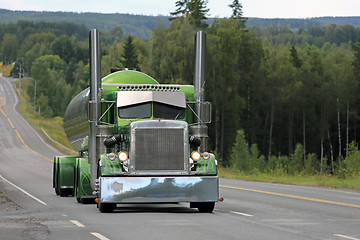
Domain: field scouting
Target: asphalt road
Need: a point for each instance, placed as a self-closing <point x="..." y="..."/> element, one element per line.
<point x="250" y="211"/>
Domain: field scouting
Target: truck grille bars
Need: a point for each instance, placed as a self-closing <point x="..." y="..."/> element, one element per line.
<point x="159" y="146"/>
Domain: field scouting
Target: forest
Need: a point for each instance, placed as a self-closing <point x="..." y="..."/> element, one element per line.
<point x="141" y="26"/>
<point x="281" y="99"/>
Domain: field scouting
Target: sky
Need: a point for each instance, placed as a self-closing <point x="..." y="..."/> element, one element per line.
<point x="218" y="8"/>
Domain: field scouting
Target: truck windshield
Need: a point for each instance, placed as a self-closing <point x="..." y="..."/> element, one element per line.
<point x="142" y="110"/>
<point x="159" y="110"/>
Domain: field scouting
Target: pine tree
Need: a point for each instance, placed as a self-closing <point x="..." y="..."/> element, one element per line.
<point x="181" y="11"/>
<point x="356" y="61"/>
<point x="195" y="10"/>
<point x="130" y="57"/>
<point x="296" y="61"/>
<point x="238" y="12"/>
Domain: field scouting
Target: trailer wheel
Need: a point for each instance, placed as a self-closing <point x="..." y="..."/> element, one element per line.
<point x="56" y="184"/>
<point x="107" y="207"/>
<point x="206" y="207"/>
<point x="88" y="200"/>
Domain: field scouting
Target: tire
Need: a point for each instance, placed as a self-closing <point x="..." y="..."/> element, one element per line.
<point x="76" y="188"/>
<point x="206" y="207"/>
<point x="88" y="200"/>
<point x="65" y="192"/>
<point x="107" y="207"/>
<point x="57" y="189"/>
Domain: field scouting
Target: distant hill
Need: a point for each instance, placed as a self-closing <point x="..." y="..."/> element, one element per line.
<point x="138" y="25"/>
<point x="141" y="25"/>
<point x="294" y="23"/>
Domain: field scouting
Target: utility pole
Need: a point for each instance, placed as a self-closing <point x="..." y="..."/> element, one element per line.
<point x="35" y="98"/>
<point x="20" y="82"/>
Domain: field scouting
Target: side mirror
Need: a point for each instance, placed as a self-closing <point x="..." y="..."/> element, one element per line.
<point x="205" y="112"/>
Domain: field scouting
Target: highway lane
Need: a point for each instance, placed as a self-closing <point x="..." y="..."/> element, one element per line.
<point x="250" y="210"/>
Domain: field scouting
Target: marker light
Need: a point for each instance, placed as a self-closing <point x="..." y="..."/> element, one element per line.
<point x="112" y="156"/>
<point x="206" y="155"/>
<point x="123" y="156"/>
<point x="195" y="155"/>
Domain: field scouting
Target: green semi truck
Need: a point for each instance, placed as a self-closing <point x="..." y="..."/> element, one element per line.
<point x="139" y="141"/>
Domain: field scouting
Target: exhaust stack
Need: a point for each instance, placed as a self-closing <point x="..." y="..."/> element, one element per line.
<point x="200" y="129"/>
<point x="95" y="84"/>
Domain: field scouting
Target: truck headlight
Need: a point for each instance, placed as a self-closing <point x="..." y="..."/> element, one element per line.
<point x="123" y="156"/>
<point x="195" y="155"/>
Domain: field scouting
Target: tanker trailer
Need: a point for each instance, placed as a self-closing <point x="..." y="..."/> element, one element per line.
<point x="139" y="141"/>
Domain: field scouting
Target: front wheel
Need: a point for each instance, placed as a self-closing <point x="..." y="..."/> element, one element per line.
<point x="206" y="207"/>
<point x="107" y="207"/>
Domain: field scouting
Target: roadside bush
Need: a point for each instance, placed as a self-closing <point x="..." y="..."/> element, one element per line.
<point x="277" y="165"/>
<point x="246" y="160"/>
<point x="240" y="157"/>
<point x="352" y="160"/>
<point x="311" y="164"/>
<point x="257" y="159"/>
<point x="296" y="160"/>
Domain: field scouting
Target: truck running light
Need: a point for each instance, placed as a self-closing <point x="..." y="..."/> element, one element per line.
<point x="112" y="156"/>
<point x="123" y="156"/>
<point x="206" y="155"/>
<point x="195" y="155"/>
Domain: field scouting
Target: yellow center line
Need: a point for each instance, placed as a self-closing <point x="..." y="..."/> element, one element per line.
<point x="294" y="196"/>
<point x="21" y="139"/>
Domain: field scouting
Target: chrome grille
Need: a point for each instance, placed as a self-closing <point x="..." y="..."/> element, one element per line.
<point x="159" y="149"/>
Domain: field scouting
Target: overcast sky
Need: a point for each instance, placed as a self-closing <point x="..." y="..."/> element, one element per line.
<point x="218" y="8"/>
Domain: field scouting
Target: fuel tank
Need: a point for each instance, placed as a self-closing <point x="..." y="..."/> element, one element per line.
<point x="76" y="122"/>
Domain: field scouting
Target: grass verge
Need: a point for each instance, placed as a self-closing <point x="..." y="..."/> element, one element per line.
<point x="6" y="69"/>
<point x="330" y="181"/>
<point x="52" y="126"/>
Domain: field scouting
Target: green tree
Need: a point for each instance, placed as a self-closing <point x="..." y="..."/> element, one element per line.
<point x="352" y="161"/>
<point x="34" y="46"/>
<point x="194" y="10"/>
<point x="237" y="12"/>
<point x="181" y="10"/>
<point x="48" y="71"/>
<point x="113" y="59"/>
<point x="116" y="34"/>
<point x="172" y="53"/>
<point x="9" y="47"/>
<point x="240" y="155"/>
<point x="224" y="41"/>
<point x="356" y="61"/>
<point x="81" y="78"/>
<point x="130" y="56"/>
<point x="63" y="47"/>
<point x="296" y="163"/>
<point x="295" y="60"/>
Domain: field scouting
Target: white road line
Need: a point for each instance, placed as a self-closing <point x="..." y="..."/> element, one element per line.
<point x="99" y="236"/>
<point x="346" y="237"/>
<point x="243" y="214"/>
<point x="77" y="223"/>
<point x="22" y="190"/>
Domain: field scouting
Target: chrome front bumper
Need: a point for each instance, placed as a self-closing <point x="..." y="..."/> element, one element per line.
<point x="159" y="189"/>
